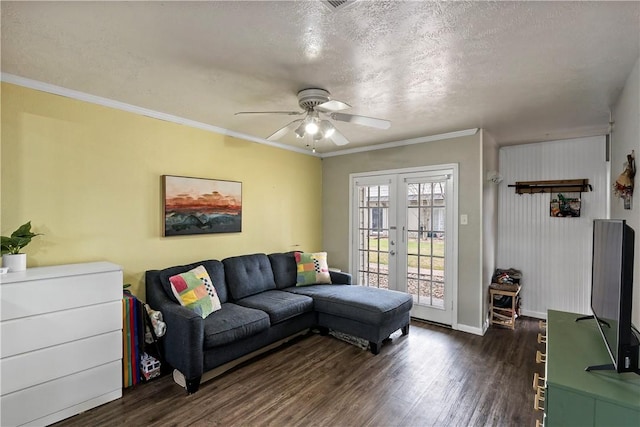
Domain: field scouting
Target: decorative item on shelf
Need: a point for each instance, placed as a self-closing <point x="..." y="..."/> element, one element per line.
<point x="564" y="207"/>
<point x="623" y="186"/>
<point x="12" y="258"/>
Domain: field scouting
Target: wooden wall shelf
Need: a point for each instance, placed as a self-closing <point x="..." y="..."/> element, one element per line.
<point x="553" y="186"/>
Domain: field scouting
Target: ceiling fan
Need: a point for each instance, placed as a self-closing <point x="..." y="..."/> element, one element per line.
<point x="318" y="108"/>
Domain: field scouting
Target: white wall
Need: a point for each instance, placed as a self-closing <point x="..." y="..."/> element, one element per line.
<point x="554" y="254"/>
<point x="489" y="219"/>
<point x="626" y="137"/>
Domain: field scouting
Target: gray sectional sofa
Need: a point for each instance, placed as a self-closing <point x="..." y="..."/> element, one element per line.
<point x="261" y="305"/>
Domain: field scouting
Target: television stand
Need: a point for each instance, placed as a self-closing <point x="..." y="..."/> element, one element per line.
<point x="574" y="397"/>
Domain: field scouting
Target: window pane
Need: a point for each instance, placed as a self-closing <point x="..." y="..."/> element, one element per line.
<point x="425" y="242"/>
<point x="373" y="244"/>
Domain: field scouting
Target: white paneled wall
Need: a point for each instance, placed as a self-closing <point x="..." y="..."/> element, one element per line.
<point x="554" y="254"/>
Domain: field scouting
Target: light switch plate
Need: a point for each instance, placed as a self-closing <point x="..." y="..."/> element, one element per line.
<point x="464" y="219"/>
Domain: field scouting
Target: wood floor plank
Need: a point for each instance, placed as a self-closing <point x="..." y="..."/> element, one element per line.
<point x="433" y="377"/>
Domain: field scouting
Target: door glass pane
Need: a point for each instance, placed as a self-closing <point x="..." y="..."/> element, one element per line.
<point x="425" y="242"/>
<point x="373" y="235"/>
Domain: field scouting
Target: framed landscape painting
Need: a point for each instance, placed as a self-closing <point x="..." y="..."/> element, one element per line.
<point x="201" y="206"/>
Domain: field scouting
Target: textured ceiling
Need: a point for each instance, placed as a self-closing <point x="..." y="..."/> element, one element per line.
<point x="524" y="71"/>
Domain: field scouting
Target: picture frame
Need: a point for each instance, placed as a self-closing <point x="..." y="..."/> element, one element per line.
<point x="564" y="207"/>
<point x="200" y="206"/>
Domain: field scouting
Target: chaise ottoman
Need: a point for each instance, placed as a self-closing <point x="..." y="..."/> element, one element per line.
<point x="365" y="312"/>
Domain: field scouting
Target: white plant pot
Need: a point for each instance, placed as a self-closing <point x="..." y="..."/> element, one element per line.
<point x="15" y="262"/>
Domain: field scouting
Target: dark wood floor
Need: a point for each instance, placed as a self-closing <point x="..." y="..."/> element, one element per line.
<point x="432" y="377"/>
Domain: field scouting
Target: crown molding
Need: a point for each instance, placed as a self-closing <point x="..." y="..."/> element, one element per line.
<point x="106" y="102"/>
<point x="404" y="142"/>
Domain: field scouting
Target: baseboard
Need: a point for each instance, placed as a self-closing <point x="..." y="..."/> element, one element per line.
<point x="470" y="329"/>
<point x="180" y="379"/>
<point x="536" y="314"/>
<point x="429" y="322"/>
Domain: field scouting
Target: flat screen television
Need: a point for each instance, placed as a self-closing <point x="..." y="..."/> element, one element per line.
<point x="612" y="293"/>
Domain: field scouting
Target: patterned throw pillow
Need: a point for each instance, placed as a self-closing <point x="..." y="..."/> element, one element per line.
<point x="194" y="290"/>
<point x="312" y="268"/>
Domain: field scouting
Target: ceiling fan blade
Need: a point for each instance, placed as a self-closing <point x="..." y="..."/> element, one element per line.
<point x="283" y="130"/>
<point x="337" y="137"/>
<point x="361" y="120"/>
<point x="333" y="105"/>
<point x="288" y="113"/>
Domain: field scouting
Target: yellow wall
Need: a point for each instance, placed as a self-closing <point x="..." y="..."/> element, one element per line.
<point x="89" y="178"/>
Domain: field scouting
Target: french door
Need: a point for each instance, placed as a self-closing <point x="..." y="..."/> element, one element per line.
<point x="404" y="234"/>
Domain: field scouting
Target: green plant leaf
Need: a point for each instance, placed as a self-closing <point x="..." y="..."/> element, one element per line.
<point x="6" y="245"/>
<point x="24" y="231"/>
<point x="18" y="240"/>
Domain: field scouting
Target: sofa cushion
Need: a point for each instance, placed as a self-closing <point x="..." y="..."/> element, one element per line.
<point x="312" y="268"/>
<point x="278" y="305"/>
<point x="368" y="305"/>
<point x="194" y="290"/>
<point x="248" y="275"/>
<point x="214" y="268"/>
<point x="232" y="323"/>
<point x="284" y="268"/>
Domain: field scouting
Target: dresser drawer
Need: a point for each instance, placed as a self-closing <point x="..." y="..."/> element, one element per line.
<point x="60" y="341"/>
<point x="53" y="398"/>
<point x="34" y="333"/>
<point x="30" y="298"/>
<point x="36" y="367"/>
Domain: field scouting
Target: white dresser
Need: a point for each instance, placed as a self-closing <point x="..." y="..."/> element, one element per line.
<point x="61" y="336"/>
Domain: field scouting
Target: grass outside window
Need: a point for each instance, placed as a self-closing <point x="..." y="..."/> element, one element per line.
<point x="379" y="252"/>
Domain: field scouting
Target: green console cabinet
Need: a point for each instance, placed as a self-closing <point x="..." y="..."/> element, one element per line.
<point x="575" y="397"/>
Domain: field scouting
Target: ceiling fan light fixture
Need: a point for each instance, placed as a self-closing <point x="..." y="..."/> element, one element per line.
<point x="327" y="129"/>
<point x="312" y="126"/>
<point x="300" y="130"/>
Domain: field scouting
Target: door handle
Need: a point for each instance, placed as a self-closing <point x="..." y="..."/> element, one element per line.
<point x="392" y="252"/>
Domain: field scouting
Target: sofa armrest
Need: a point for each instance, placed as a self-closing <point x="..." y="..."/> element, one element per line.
<point x="183" y="341"/>
<point x="340" y="277"/>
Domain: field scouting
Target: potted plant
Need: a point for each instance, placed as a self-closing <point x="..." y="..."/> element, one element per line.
<point x="11" y="246"/>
